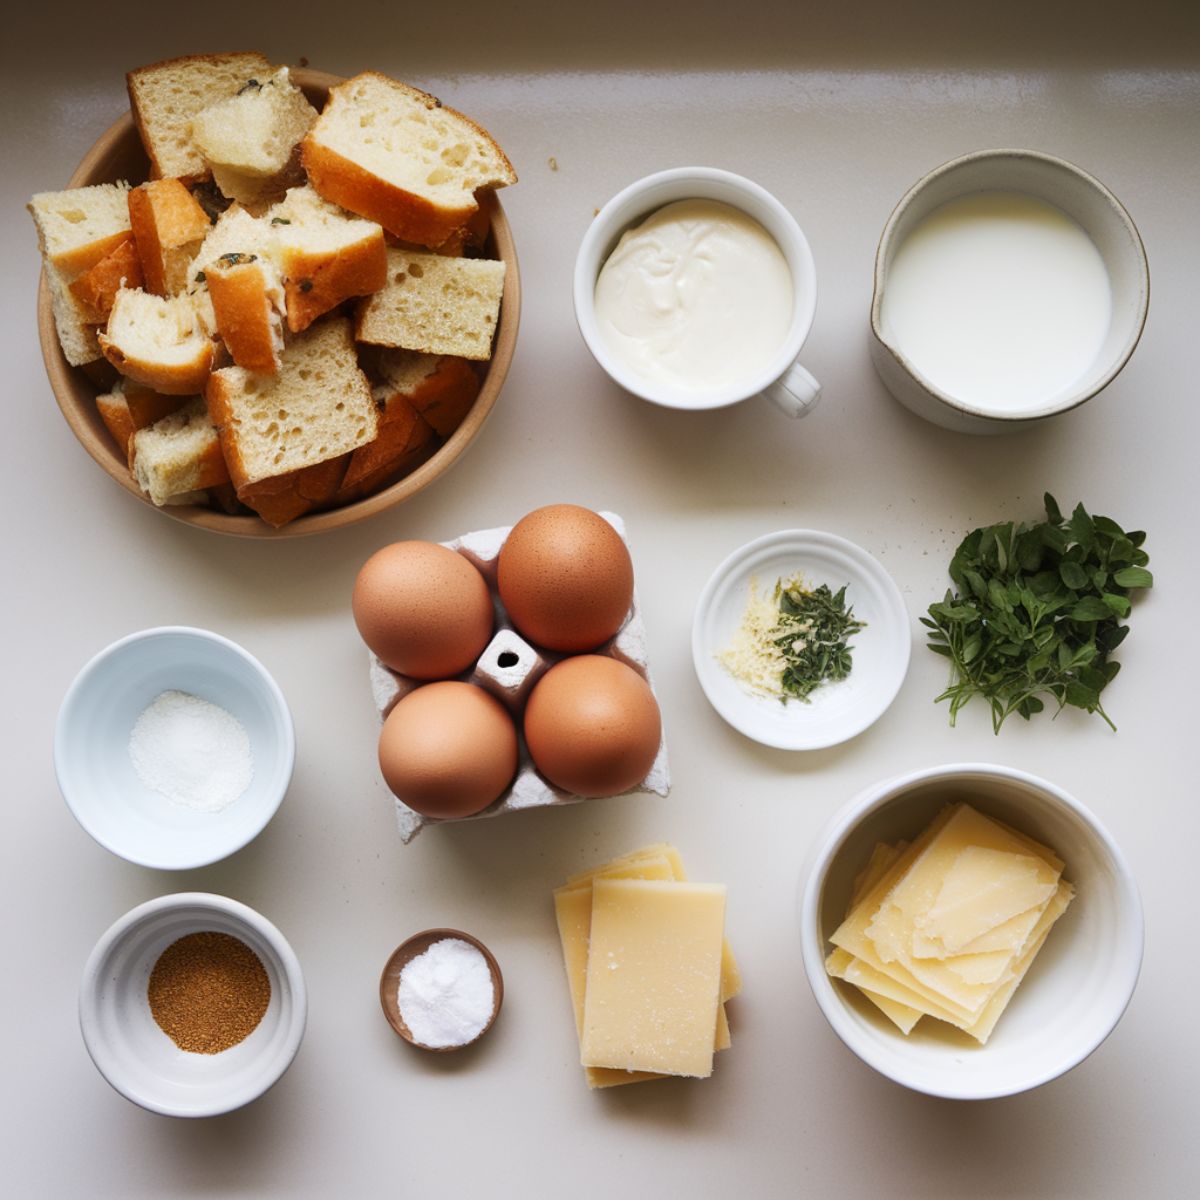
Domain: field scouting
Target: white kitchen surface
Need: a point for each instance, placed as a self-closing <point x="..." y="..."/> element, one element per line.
<point x="837" y="114"/>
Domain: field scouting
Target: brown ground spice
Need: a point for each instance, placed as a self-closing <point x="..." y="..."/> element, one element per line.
<point x="208" y="991"/>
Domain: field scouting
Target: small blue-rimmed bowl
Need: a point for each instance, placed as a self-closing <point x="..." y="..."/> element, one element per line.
<point x="91" y="746"/>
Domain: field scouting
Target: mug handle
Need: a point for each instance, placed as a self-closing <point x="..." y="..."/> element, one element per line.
<point x="796" y="393"/>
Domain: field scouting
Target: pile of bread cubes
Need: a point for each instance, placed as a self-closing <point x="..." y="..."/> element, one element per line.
<point x="297" y="303"/>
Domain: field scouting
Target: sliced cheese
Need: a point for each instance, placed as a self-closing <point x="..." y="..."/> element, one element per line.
<point x="731" y="976"/>
<point x="903" y="1016"/>
<point x="573" y="910"/>
<point x="882" y="857"/>
<point x="952" y="926"/>
<point x="654" y="976"/>
<point x="983" y="889"/>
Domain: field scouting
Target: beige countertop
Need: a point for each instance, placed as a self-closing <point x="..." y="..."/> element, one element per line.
<point x="837" y="115"/>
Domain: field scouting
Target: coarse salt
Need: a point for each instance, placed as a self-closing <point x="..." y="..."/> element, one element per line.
<point x="191" y="752"/>
<point x="446" y="994"/>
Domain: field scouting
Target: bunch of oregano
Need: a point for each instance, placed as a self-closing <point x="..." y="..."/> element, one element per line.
<point x="1037" y="612"/>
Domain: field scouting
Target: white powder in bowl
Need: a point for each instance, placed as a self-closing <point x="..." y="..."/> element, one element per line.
<point x="191" y="752"/>
<point x="446" y="995"/>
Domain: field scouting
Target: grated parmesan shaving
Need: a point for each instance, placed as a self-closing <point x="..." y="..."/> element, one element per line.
<point x="752" y="657"/>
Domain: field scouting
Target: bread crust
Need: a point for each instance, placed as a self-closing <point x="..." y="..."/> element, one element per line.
<point x="282" y="498"/>
<point x="168" y="227"/>
<point x="131" y="81"/>
<point x="402" y="433"/>
<point x="402" y="213"/>
<point x="97" y="288"/>
<point x="125" y="412"/>
<point x="172" y="379"/>
<point x="246" y="319"/>
<point x="446" y="396"/>
<point x="314" y="284"/>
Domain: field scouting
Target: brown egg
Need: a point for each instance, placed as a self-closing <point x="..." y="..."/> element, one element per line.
<point x="566" y="578"/>
<point x="424" y="610"/>
<point x="448" y="749"/>
<point x="593" y="726"/>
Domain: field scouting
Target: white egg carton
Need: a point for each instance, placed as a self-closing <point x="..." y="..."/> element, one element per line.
<point x="508" y="668"/>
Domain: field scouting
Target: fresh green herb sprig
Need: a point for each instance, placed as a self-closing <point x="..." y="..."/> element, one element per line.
<point x="1037" y="612"/>
<point x="814" y="645"/>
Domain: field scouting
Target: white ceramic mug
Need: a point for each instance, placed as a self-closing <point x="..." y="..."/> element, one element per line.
<point x="783" y="380"/>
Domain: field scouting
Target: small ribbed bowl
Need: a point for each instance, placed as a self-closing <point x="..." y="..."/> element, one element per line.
<point x="91" y="746"/>
<point x="117" y="155"/>
<point x="1077" y="988"/>
<point x="137" y="1058"/>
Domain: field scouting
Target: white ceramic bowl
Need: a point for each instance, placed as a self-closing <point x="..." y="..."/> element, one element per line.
<point x="789" y="386"/>
<point x="836" y="711"/>
<point x="1078" y="986"/>
<point x="138" y="1058"/>
<point x="1083" y="198"/>
<point x="91" y="746"/>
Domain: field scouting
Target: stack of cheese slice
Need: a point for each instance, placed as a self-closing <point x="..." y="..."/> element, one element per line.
<point x="948" y="926"/>
<point x="648" y="967"/>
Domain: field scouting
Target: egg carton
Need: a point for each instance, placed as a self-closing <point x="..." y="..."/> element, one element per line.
<point x="508" y="668"/>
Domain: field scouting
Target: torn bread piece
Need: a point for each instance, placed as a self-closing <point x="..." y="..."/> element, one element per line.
<point x="317" y="408"/>
<point x="326" y="255"/>
<point x="251" y="140"/>
<point x="404" y="440"/>
<point x="76" y="229"/>
<point x="397" y="155"/>
<point x="434" y="304"/>
<point x="248" y="307"/>
<point x="441" y="387"/>
<point x="169" y="226"/>
<point x="97" y="288"/>
<point x="158" y="341"/>
<point x="236" y="233"/>
<point x="178" y="454"/>
<point x="166" y="96"/>
<point x="130" y="407"/>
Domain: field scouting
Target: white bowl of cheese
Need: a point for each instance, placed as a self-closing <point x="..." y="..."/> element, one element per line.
<point x="1077" y="985"/>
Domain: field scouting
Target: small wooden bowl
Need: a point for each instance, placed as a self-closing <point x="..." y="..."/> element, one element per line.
<point x="118" y="154"/>
<point x="389" y="983"/>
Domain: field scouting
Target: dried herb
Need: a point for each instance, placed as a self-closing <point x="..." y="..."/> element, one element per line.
<point x="306" y="285"/>
<point x="200" y="277"/>
<point x="1037" y="613"/>
<point x="251" y="85"/>
<point x="816" y="627"/>
<point x="234" y="259"/>
<point x="280" y="221"/>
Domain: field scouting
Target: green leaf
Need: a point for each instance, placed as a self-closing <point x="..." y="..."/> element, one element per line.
<point x="1090" y="608"/>
<point x="976" y="583"/>
<point x="1053" y="512"/>
<point x="1082" y="529"/>
<point x="1119" y="605"/>
<point x="1133" y="577"/>
<point x="1072" y="574"/>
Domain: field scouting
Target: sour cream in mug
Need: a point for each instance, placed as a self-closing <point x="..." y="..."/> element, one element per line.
<point x="696" y="298"/>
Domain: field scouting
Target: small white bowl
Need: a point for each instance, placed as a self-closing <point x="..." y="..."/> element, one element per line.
<point x="1076" y="990"/>
<point x="836" y="711"/>
<point x="91" y="746"/>
<point x="137" y="1058"/>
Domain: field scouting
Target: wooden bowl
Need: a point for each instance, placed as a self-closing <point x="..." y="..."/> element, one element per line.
<point x="118" y="154"/>
<point x="389" y="983"/>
